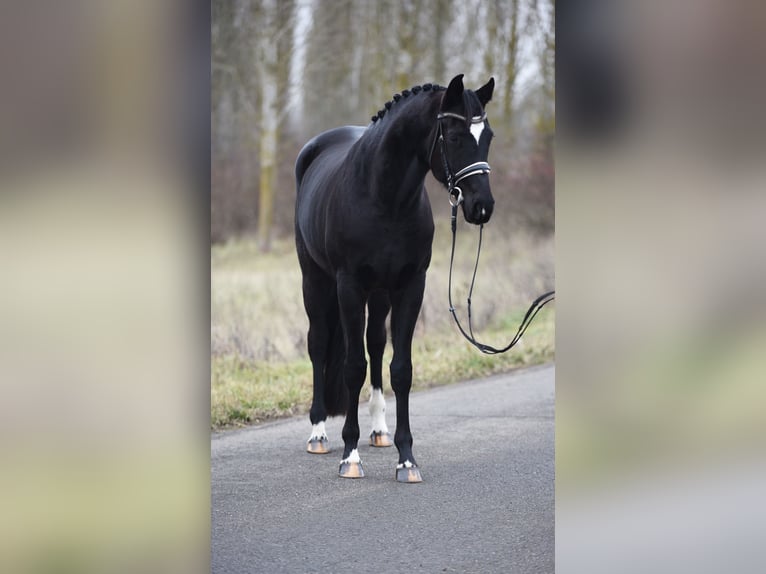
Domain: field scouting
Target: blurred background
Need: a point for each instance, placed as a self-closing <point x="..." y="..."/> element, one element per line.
<point x="104" y="368"/>
<point x="661" y="286"/>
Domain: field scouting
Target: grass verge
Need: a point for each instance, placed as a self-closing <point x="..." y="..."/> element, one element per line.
<point x="248" y="391"/>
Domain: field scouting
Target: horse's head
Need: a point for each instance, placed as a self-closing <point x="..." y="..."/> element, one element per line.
<point x="461" y="147"/>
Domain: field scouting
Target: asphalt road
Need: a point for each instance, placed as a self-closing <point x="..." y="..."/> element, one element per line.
<point x="486" y="451"/>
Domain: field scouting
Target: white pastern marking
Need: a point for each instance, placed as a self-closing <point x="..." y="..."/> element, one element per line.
<point x="353" y="457"/>
<point x="318" y="431"/>
<point x="377" y="410"/>
<point x="405" y="464"/>
<point x="476" y="130"/>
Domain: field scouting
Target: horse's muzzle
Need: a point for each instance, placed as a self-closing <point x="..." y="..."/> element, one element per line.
<point x="478" y="211"/>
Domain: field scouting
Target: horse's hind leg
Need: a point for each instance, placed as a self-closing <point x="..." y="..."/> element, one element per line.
<point x="317" y="302"/>
<point x="378" y="307"/>
<point x="320" y="301"/>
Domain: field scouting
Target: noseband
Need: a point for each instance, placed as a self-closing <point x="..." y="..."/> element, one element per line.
<point x="477" y="168"/>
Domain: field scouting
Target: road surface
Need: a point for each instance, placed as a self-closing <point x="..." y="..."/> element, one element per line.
<point x="486" y="451"/>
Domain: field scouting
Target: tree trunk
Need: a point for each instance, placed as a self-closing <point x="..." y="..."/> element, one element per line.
<point x="443" y="9"/>
<point x="511" y="67"/>
<point x="267" y="80"/>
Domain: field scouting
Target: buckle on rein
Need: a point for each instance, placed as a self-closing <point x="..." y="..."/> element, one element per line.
<point x="455" y="199"/>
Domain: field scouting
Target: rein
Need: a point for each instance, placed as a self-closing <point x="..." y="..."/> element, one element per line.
<point x="534" y="308"/>
<point x="455" y="199"/>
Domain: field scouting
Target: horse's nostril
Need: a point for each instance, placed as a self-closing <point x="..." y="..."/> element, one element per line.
<point x="481" y="212"/>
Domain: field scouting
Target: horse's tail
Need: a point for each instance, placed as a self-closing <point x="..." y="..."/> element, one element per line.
<point x="335" y="391"/>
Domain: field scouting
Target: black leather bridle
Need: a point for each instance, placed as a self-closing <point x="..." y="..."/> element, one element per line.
<point x="476" y="168"/>
<point x="455" y="199"/>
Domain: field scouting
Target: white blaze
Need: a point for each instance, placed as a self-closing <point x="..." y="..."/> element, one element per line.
<point x="476" y="130"/>
<point x="377" y="410"/>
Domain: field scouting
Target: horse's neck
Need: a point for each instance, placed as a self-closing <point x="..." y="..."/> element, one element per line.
<point x="401" y="159"/>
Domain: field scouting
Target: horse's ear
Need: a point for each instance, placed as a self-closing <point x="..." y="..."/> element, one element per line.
<point x="454" y="94"/>
<point x="485" y="92"/>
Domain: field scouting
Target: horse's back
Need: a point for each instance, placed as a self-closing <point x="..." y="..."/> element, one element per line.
<point x="332" y="145"/>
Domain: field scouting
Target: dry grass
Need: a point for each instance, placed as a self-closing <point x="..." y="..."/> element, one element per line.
<point x="260" y="368"/>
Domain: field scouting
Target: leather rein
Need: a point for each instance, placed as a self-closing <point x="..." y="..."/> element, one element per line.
<point x="455" y="199"/>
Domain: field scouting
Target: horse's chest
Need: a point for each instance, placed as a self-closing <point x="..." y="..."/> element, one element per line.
<point x="389" y="256"/>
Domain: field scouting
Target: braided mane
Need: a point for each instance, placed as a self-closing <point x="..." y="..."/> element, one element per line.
<point x="406" y="93"/>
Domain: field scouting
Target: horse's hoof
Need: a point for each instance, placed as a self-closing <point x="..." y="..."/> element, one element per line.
<point x="318" y="446"/>
<point x="380" y="439"/>
<point x="351" y="470"/>
<point x="409" y="474"/>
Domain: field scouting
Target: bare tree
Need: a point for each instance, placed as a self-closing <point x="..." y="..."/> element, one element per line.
<point x="442" y="9"/>
<point x="234" y="107"/>
<point x="340" y="60"/>
<point x="265" y="58"/>
<point x="541" y="28"/>
<point x="272" y="56"/>
<point x="548" y="70"/>
<point x="511" y="60"/>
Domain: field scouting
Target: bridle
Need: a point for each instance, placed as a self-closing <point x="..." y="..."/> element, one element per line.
<point x="455" y="199"/>
<point x="476" y="168"/>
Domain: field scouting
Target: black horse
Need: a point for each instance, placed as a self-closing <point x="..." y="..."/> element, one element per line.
<point x="363" y="231"/>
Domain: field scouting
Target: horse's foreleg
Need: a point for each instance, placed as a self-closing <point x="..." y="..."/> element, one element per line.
<point x="378" y="307"/>
<point x="405" y="309"/>
<point x="352" y="300"/>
